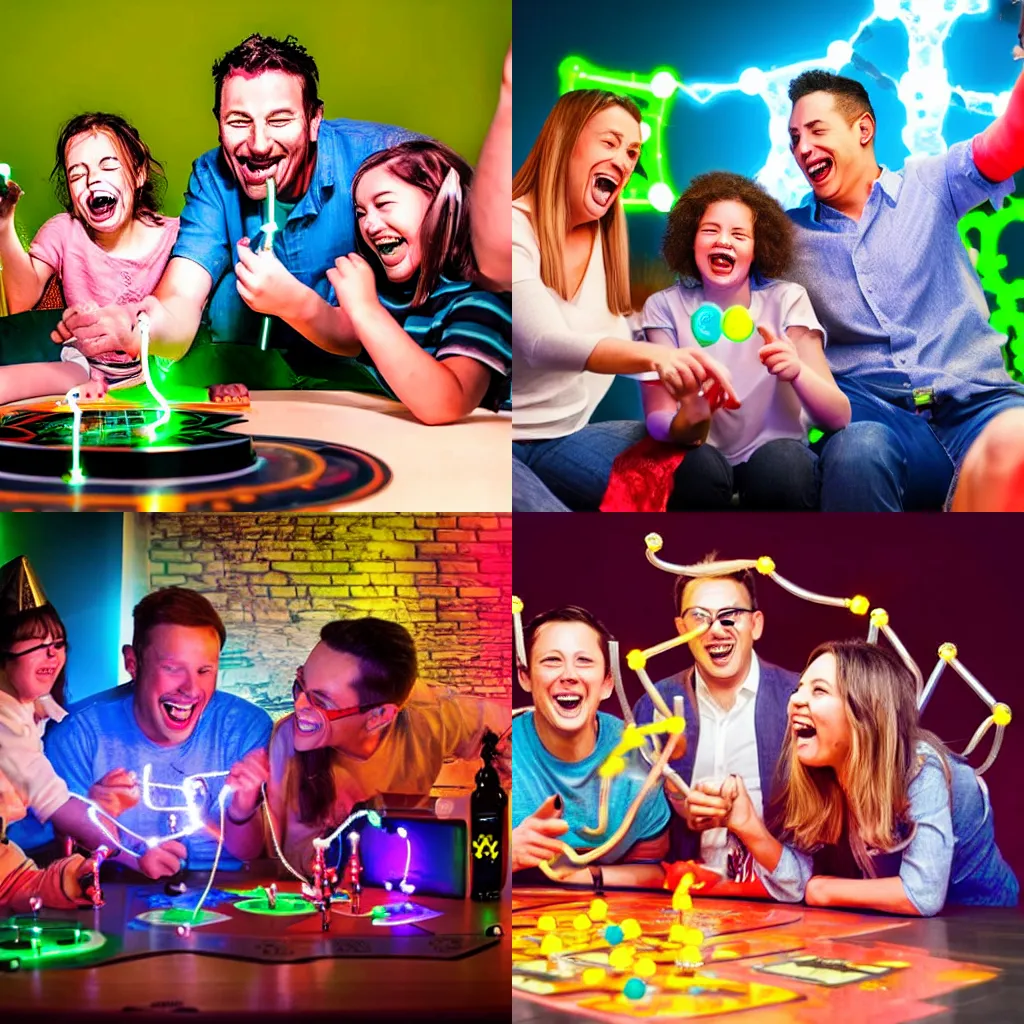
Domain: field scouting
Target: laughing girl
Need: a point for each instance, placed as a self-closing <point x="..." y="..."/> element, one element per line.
<point x="426" y="328"/>
<point x="875" y="811"/>
<point x="109" y="248"/>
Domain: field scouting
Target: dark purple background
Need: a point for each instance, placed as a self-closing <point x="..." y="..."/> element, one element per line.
<point x="941" y="578"/>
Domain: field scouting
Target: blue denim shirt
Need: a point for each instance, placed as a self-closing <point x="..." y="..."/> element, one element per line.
<point x="320" y="227"/>
<point x="901" y="303"/>
<point x="952" y="858"/>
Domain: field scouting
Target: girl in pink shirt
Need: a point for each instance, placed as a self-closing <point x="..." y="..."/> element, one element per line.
<point x="109" y="248"/>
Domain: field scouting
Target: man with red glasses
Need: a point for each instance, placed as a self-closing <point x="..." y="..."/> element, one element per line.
<point x="363" y="726"/>
<point x="735" y="707"/>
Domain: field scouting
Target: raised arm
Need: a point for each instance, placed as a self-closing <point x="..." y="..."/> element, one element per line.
<point x="25" y="276"/>
<point x="491" y="196"/>
<point x="999" y="149"/>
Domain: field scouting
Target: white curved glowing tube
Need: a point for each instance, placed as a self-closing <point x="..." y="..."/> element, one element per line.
<point x="404" y="883"/>
<point x="75" y="476"/>
<point x="165" y="410"/>
<point x="225" y="795"/>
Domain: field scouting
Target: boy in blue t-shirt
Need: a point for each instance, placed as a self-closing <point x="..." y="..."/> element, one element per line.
<point x="557" y="750"/>
<point x="132" y="749"/>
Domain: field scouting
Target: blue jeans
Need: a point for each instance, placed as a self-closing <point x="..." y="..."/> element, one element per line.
<point x="892" y="458"/>
<point x="573" y="470"/>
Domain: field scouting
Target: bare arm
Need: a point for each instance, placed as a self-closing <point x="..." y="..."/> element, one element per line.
<point x="491" y="195"/>
<point x="815" y="386"/>
<point x="631" y="870"/>
<point x="24" y="275"/>
<point x="885" y="894"/>
<point x="686" y="422"/>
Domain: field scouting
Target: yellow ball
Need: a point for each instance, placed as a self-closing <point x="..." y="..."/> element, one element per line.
<point x="737" y="324"/>
<point x="582" y="923"/>
<point x="765" y="565"/>
<point x="690" y="955"/>
<point x="694" y="937"/>
<point x="550" y="944"/>
<point x="1001" y="714"/>
<point x="517" y="605"/>
<point x="653" y="541"/>
<point x="859" y="605"/>
<point x="645" y="967"/>
<point x="594" y="976"/>
<point x="631" y="929"/>
<point x="598" y="910"/>
<point x="879" y="617"/>
<point x="678" y="933"/>
<point x="614" y="765"/>
<point x="947" y="652"/>
<point x="546" y="923"/>
<point x="621" y="957"/>
<point x="636" y="660"/>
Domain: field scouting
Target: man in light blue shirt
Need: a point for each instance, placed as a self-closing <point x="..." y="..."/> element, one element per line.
<point x="156" y="753"/>
<point x="271" y="125"/>
<point x="907" y="327"/>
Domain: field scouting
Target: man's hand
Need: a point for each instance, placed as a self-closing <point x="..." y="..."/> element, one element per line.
<point x="535" y="839"/>
<point x="354" y="283"/>
<point x="96" y="330"/>
<point x="248" y="776"/>
<point x="163" y="860"/>
<point x="704" y="808"/>
<point x="685" y="371"/>
<point x="116" y="792"/>
<point x="8" y="201"/>
<point x="741" y="812"/>
<point x="264" y="283"/>
<point x="779" y="355"/>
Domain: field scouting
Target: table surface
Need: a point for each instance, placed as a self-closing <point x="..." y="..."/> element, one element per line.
<point x="466" y="466"/>
<point x="475" y="987"/>
<point x="991" y="937"/>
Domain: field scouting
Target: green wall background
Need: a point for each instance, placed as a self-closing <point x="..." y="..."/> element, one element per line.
<point x="433" y="66"/>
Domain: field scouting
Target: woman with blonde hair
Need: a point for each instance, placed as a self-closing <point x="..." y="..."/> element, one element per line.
<point x="875" y="812"/>
<point x="570" y="296"/>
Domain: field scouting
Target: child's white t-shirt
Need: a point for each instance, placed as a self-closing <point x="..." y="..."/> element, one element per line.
<point x="770" y="408"/>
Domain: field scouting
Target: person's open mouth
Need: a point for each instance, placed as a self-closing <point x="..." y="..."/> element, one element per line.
<point x="102" y="205"/>
<point x="803" y="729"/>
<point x="818" y="171"/>
<point x="179" y="712"/>
<point x="719" y="653"/>
<point x="721" y="263"/>
<point x="390" y="248"/>
<point x="307" y="725"/>
<point x="570" y="705"/>
<point x="602" y="188"/>
<point x="255" y="172"/>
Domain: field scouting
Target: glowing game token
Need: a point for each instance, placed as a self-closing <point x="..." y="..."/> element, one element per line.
<point x="678" y="934"/>
<point x="706" y="324"/>
<point x="645" y="967"/>
<point x="859" y="604"/>
<point x="581" y="923"/>
<point x="693" y="937"/>
<point x="546" y="923"/>
<point x="620" y="957"/>
<point x="1001" y="714"/>
<point x="690" y="955"/>
<point x="631" y="929"/>
<point x="765" y="565"/>
<point x="634" y="989"/>
<point x="594" y="976"/>
<point x="613" y="935"/>
<point x="551" y="943"/>
<point x="737" y="324"/>
<point x="598" y="910"/>
<point x="517" y="606"/>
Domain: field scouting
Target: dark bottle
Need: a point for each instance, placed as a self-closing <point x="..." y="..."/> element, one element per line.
<point x="488" y="812"/>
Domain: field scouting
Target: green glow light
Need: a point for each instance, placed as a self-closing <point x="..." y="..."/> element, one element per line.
<point x="51" y="941"/>
<point x="286" y="905"/>
<point x="650" y="93"/>
<point x="165" y="410"/>
<point x="269" y="228"/>
<point x="174" y="917"/>
<point x="75" y="475"/>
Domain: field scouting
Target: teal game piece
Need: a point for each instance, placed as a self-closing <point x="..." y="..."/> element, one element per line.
<point x="634" y="989"/>
<point x="706" y="324"/>
<point x="613" y="935"/>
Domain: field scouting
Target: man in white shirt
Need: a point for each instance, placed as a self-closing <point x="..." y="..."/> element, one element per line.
<point x="735" y="707"/>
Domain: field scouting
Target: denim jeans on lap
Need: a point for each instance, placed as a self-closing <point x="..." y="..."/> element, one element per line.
<point x="575" y="468"/>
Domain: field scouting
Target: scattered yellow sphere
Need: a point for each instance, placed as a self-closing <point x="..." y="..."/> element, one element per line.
<point x="613" y="765"/>
<point x="550" y="944"/>
<point x="1001" y="714"/>
<point x="765" y="565"/>
<point x="546" y="923"/>
<point x="598" y="910"/>
<point x="636" y="660"/>
<point x="859" y="604"/>
<point x="517" y="605"/>
<point x="653" y="541"/>
<point x="621" y="957"/>
<point x="737" y="324"/>
<point x="879" y="617"/>
<point x="594" y="976"/>
<point x="582" y="923"/>
<point x="645" y="967"/>
<point x="947" y="652"/>
<point x="694" y="937"/>
<point x="631" y="929"/>
<point x="690" y="955"/>
<point x="678" y="934"/>
<point x="724" y="953"/>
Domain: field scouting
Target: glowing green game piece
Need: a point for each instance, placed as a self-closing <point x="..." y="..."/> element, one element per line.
<point x="706" y="324"/>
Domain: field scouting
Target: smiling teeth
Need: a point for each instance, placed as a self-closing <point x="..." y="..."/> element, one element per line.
<point x="813" y="169"/>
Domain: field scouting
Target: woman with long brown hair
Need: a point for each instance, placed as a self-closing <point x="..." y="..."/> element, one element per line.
<point x="570" y="295"/>
<point x="875" y="812"/>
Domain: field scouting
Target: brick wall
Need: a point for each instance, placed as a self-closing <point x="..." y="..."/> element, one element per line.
<point x="276" y="578"/>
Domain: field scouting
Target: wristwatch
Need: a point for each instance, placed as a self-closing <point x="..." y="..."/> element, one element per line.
<point x="597" y="874"/>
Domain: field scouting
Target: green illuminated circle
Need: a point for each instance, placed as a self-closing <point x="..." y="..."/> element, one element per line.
<point x="286" y="905"/>
<point x="28" y="943"/>
<point x="174" y="917"/>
